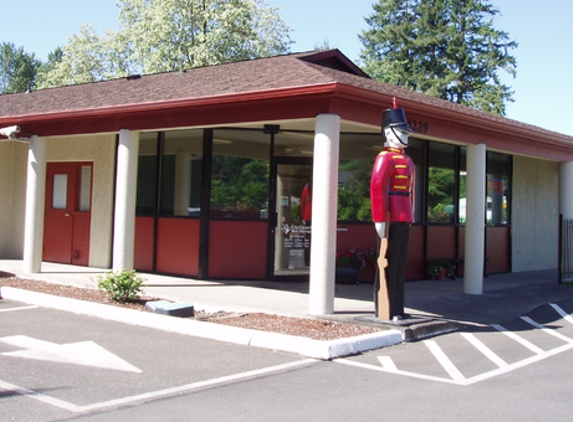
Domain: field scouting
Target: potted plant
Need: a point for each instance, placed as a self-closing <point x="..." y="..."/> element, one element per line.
<point x="348" y="263"/>
<point x="439" y="269"/>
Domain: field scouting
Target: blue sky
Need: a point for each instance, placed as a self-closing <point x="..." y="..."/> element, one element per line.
<point x="543" y="87"/>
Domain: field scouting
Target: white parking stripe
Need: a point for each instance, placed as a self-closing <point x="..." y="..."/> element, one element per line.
<point x="446" y="363"/>
<point x="156" y="394"/>
<point x="520" y="340"/>
<point x="561" y="312"/>
<point x="19" y="308"/>
<point x="487" y="352"/>
<point x="387" y="363"/>
<point x="465" y="381"/>
<point x="404" y="373"/>
<point x="547" y="330"/>
<point x="39" y="396"/>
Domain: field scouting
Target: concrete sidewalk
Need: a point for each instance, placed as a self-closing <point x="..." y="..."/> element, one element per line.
<point x="505" y="296"/>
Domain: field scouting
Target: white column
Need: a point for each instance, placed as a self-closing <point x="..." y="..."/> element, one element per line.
<point x="35" y="205"/>
<point x="475" y="219"/>
<point x="566" y="190"/>
<point x="125" y="197"/>
<point x="324" y="205"/>
<point x="182" y="192"/>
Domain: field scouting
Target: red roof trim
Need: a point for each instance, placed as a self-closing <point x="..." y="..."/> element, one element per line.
<point x="224" y="99"/>
<point x="491" y="123"/>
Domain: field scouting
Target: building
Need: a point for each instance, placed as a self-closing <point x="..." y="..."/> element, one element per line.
<point x="201" y="173"/>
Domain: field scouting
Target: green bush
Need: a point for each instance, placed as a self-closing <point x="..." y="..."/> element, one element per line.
<point x="123" y="286"/>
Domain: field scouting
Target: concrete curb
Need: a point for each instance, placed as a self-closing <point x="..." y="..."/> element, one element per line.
<point x="317" y="349"/>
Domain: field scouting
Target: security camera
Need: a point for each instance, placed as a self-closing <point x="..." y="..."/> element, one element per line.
<point x="10" y="131"/>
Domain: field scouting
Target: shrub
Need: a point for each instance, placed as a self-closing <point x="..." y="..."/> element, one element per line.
<point x="123" y="286"/>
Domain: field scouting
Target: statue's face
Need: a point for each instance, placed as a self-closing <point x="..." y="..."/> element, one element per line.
<point x="396" y="138"/>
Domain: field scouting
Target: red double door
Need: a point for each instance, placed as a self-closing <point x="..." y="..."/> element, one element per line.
<point x="67" y="219"/>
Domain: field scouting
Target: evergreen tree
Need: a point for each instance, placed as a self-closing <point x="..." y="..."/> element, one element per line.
<point x="445" y="48"/>
<point x="18" y="69"/>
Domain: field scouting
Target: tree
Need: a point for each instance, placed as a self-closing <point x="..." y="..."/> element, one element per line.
<point x="18" y="69"/>
<point x="87" y="57"/>
<point x="445" y="48"/>
<point x="167" y="35"/>
<point x="239" y="184"/>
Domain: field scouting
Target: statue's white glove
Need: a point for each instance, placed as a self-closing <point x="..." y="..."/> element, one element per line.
<point x="380" y="229"/>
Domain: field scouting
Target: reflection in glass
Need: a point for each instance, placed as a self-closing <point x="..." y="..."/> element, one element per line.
<point x="498" y="171"/>
<point x="354" y="190"/>
<point x="181" y="173"/>
<point x="441" y="183"/>
<point x="294" y="212"/>
<point x="147" y="174"/>
<point x="240" y="175"/>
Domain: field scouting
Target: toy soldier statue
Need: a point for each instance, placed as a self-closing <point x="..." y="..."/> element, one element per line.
<point x="392" y="197"/>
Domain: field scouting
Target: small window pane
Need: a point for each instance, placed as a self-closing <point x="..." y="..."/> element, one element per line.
<point x="181" y="173"/>
<point x="497" y="188"/>
<point x="146" y="174"/>
<point x="441" y="184"/>
<point x="354" y="190"/>
<point x="85" y="188"/>
<point x="60" y="192"/>
<point x="240" y="174"/>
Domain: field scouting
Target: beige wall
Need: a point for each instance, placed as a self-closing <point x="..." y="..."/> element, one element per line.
<point x="13" y="158"/>
<point x="535" y="214"/>
<point x="99" y="149"/>
<point x="6" y="180"/>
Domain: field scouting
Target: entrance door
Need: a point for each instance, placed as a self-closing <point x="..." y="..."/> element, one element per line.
<point x="68" y="213"/>
<point x="293" y="212"/>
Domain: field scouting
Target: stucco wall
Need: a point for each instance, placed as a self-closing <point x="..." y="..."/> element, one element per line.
<point x="99" y="149"/>
<point x="535" y="214"/>
<point x="6" y="177"/>
<point x="13" y="158"/>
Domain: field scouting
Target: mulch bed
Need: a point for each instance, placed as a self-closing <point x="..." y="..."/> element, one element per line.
<point x="317" y="329"/>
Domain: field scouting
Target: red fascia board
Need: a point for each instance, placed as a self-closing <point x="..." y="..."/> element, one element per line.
<point x="188" y="103"/>
<point x="485" y="128"/>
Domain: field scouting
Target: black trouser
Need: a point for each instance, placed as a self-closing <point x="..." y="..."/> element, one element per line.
<point x="398" y="237"/>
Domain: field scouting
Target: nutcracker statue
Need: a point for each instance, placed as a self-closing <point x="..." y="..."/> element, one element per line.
<point x="392" y="197"/>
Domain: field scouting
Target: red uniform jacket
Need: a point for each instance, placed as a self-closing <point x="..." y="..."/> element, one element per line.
<point x="392" y="187"/>
<point x="306" y="203"/>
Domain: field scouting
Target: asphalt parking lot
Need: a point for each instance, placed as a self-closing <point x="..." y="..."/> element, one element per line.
<point x="58" y="365"/>
<point x="54" y="364"/>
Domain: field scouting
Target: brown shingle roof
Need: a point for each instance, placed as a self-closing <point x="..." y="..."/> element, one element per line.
<point x="267" y="74"/>
<point x="232" y="78"/>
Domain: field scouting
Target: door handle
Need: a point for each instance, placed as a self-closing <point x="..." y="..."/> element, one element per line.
<point x="67" y="214"/>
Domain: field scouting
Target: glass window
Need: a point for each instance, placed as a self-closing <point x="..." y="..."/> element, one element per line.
<point x="240" y="174"/>
<point x="294" y="144"/>
<point x="354" y="190"/>
<point x="181" y="173"/>
<point x="357" y="154"/>
<point x="416" y="152"/>
<point x="85" y="188"/>
<point x="147" y="174"/>
<point x="441" y="183"/>
<point x="60" y="192"/>
<point x="463" y="186"/>
<point x="498" y="183"/>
